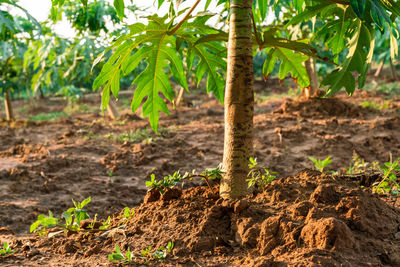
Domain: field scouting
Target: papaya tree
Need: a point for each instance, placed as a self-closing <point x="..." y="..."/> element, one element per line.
<point x="14" y="31"/>
<point x="224" y="59"/>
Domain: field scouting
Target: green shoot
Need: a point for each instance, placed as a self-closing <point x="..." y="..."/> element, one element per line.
<point x="106" y="225"/>
<point x="360" y="165"/>
<point x="73" y="217"/>
<point x="127" y="214"/>
<point x="389" y="183"/>
<point x="119" y="257"/>
<point x="172" y="180"/>
<point x="110" y="173"/>
<point x="159" y="254"/>
<point x="321" y="164"/>
<point x="257" y="177"/>
<point x="6" y="250"/>
<point x="147" y="255"/>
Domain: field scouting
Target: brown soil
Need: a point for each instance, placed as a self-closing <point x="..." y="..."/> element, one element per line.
<point x="307" y="219"/>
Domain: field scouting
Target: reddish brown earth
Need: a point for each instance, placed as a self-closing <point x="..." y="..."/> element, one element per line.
<point x="307" y="219"/>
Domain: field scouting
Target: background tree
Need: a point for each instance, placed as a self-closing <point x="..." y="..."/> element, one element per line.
<point x="14" y="31"/>
<point x="350" y="40"/>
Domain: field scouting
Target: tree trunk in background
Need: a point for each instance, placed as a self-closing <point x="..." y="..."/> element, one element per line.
<point x="8" y="107"/>
<point x="312" y="74"/>
<point x="180" y="97"/>
<point x="112" y="110"/>
<point x="393" y="70"/>
<point x="239" y="102"/>
<point x="379" y="69"/>
<point x="111" y="107"/>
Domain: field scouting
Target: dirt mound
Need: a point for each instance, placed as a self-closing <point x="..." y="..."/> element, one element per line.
<point x="311" y="219"/>
<point x="321" y="108"/>
<point x="26" y="152"/>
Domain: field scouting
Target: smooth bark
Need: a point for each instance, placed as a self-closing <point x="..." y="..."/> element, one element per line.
<point x="393" y="70"/>
<point x="112" y="110"/>
<point x="379" y="69"/>
<point x="8" y="106"/>
<point x="312" y="74"/>
<point x="238" y="102"/>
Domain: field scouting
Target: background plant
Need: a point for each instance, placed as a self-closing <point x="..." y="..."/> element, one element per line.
<point x="259" y="177"/>
<point x="147" y="255"/>
<point x="72" y="219"/>
<point x="389" y="183"/>
<point x="170" y="181"/>
<point x="359" y="165"/>
<point x="321" y="164"/>
<point x="6" y="250"/>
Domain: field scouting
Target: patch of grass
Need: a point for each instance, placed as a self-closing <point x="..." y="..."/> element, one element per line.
<point x="48" y="116"/>
<point x="24" y="109"/>
<point x="375" y="106"/>
<point x="266" y="96"/>
<point x="393" y="89"/>
<point x="125" y="103"/>
<point x="6" y="250"/>
<point x="139" y="135"/>
<point x="359" y="165"/>
<point x="74" y="107"/>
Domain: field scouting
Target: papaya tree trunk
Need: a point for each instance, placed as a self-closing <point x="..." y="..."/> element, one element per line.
<point x="111" y="107"/>
<point x="379" y="69"/>
<point x="312" y="74"/>
<point x="239" y="102"/>
<point x="8" y="107"/>
<point x="112" y="110"/>
<point x="393" y="70"/>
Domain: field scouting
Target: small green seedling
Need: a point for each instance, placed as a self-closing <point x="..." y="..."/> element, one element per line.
<point x="73" y="217"/>
<point x="321" y="164"/>
<point x="360" y="165"/>
<point x="43" y="223"/>
<point x="147" y="255"/>
<point x="120" y="258"/>
<point x="105" y="225"/>
<point x="127" y="214"/>
<point x="172" y="180"/>
<point x="159" y="254"/>
<point x="389" y="183"/>
<point x="6" y="250"/>
<point x="257" y="177"/>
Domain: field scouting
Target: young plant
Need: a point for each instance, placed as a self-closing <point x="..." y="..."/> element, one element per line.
<point x="6" y="250"/>
<point x="106" y="225"/>
<point x="389" y="183"/>
<point x="147" y="255"/>
<point x="127" y="214"/>
<point x="321" y="164"/>
<point x="360" y="165"/>
<point x="43" y="223"/>
<point x="257" y="177"/>
<point x="172" y="180"/>
<point x="120" y="258"/>
<point x="73" y="217"/>
<point x="159" y="254"/>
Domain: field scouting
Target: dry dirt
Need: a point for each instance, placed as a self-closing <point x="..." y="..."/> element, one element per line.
<point x="304" y="218"/>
